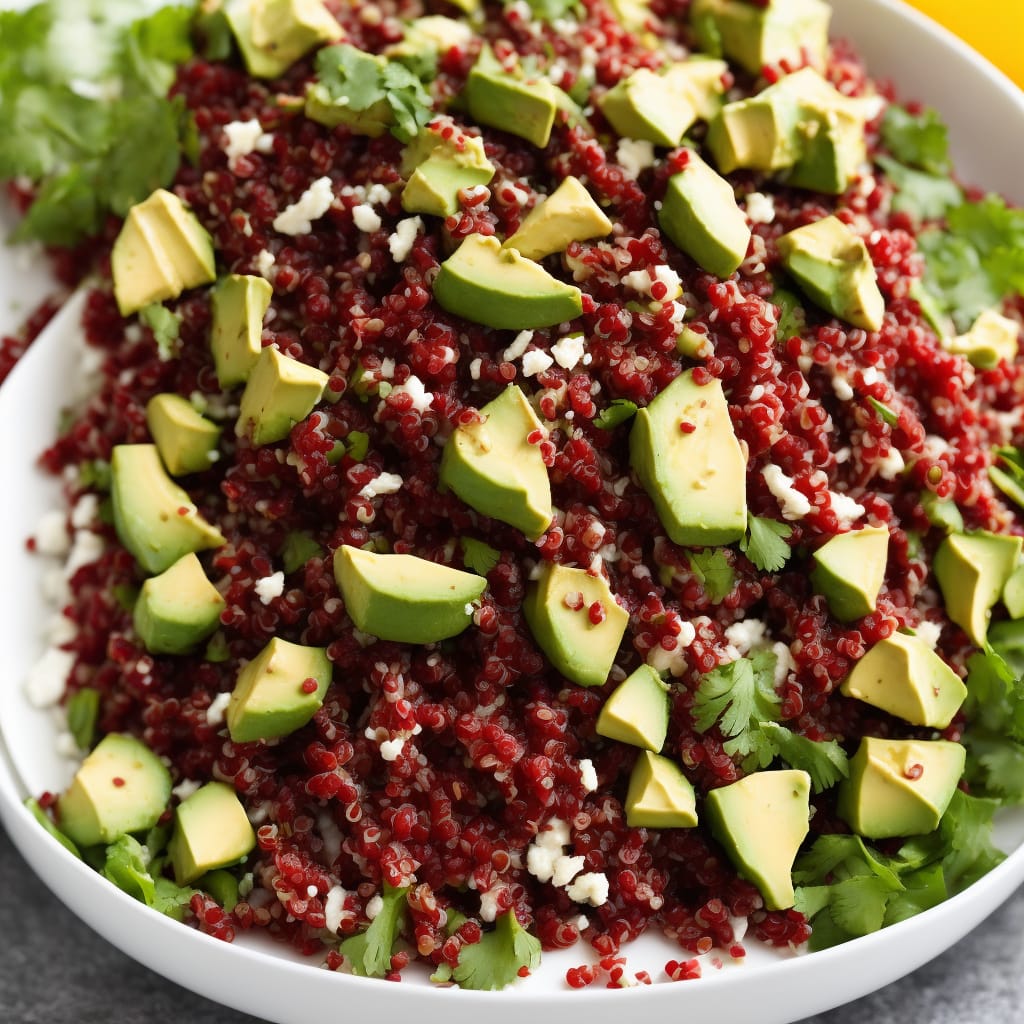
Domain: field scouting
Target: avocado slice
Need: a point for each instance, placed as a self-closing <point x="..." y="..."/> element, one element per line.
<point x="569" y="214"/>
<point x="650" y="106"/>
<point x="210" y="831"/>
<point x="832" y="266"/>
<point x="185" y="439"/>
<point x="991" y="339"/>
<point x="239" y="303"/>
<point x="121" y="787"/>
<point x="154" y="518"/>
<point x="161" y="250"/>
<point x="659" y="794"/>
<point x="273" y="34"/>
<point x="1013" y="593"/>
<point x="405" y="598"/>
<point x="495" y="470"/>
<point x="899" y="787"/>
<point x="972" y="569"/>
<point x="177" y="610"/>
<point x="761" y="822"/>
<point x="850" y="569"/>
<point x="904" y="676"/>
<point x="700" y="214"/>
<point x="434" y="186"/>
<point x="496" y="287"/>
<point x="273" y="695"/>
<point x="637" y="711"/>
<point x="697" y="480"/>
<point x="560" y="611"/>
<point x="279" y="393"/>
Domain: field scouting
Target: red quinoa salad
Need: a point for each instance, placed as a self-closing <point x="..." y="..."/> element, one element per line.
<point x="554" y="471"/>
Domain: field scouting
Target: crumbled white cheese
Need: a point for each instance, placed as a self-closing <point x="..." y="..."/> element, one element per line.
<point x="929" y="632"/>
<point x="374" y="907"/>
<point x="85" y="511"/>
<point x="401" y="241"/>
<point x="265" y="261"/>
<point x="52" y="534"/>
<point x="413" y="387"/>
<point x="555" y="836"/>
<point x="270" y="587"/>
<point x="519" y="345"/>
<point x="588" y="775"/>
<point x="67" y="746"/>
<point x="673" y="661"/>
<point x="366" y="218"/>
<point x="891" y="466"/>
<point x="184" y="789"/>
<point x="215" y="712"/>
<point x="489" y="904"/>
<point x="634" y="155"/>
<point x="842" y="387"/>
<point x="540" y="862"/>
<point x="793" y="503"/>
<point x="590" y="887"/>
<point x="386" y="483"/>
<point x="390" y="749"/>
<point x="760" y="208"/>
<point x="746" y="634"/>
<point x="568" y="351"/>
<point x="334" y="907"/>
<point x="474" y="368"/>
<point x="565" y="869"/>
<point x="643" y="281"/>
<point x="86" y="549"/>
<point x="846" y="509"/>
<point x="378" y="194"/>
<point x="535" y="361"/>
<point x="245" y="137"/>
<point x="47" y="677"/>
<point x="297" y="219"/>
<point x="60" y="630"/>
<point x="784" y="663"/>
<point x="870" y="376"/>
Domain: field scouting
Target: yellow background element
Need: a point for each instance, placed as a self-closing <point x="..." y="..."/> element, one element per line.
<point x="993" y="27"/>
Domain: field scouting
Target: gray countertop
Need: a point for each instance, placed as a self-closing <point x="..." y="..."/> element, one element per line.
<point x="55" y="970"/>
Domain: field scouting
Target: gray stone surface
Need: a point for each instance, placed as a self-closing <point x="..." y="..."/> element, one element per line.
<point x="55" y="970"/>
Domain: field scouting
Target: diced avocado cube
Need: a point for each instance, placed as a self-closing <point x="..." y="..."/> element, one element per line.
<point x="1013" y="593"/>
<point x="154" y="518"/>
<point x="428" y="38"/>
<point x="696" y="478"/>
<point x="185" y="439"/>
<point x="275" y="694"/>
<point x="991" y="339"/>
<point x="439" y="162"/>
<point x="659" y="794"/>
<point x="576" y="622"/>
<point x="761" y="822"/>
<point x="405" y="598"/>
<point x="493" y="467"/>
<point x="850" y="569"/>
<point x="899" y="787"/>
<point x="569" y="214"/>
<point x="239" y="303"/>
<point x="274" y="34"/>
<point x="121" y="787"/>
<point x="905" y="677"/>
<point x="651" y="106"/>
<point x="177" y="610"/>
<point x="637" y="711"/>
<point x="279" y="393"/>
<point x="211" y="831"/>
<point x="161" y="251"/>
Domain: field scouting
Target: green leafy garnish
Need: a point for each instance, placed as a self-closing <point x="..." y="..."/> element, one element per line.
<point x="1009" y="475"/>
<point x="792" y="318"/>
<point x="369" y="953"/>
<point x="44" y="819"/>
<point x="131" y="867"/>
<point x="166" y="328"/>
<point x="478" y="556"/>
<point x="217" y="648"/>
<point x="919" y="140"/>
<point x="621" y="410"/>
<point x="496" y="960"/>
<point x="82" y="710"/>
<point x="299" y="548"/>
<point x="94" y="475"/>
<point x="714" y="571"/>
<point x="357" y="444"/>
<point x="765" y="543"/>
<point x="921" y="195"/>
<point x="887" y="414"/>
<point x="824" y="760"/>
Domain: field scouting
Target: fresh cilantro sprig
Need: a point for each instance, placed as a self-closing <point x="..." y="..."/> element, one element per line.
<point x="765" y="543"/>
<point x="824" y="760"/>
<point x="714" y="571"/>
<point x="478" y="556"/>
<point x="921" y="195"/>
<point x="917" y="140"/>
<point x="131" y="866"/>
<point x="369" y="952"/>
<point x="496" y="960"/>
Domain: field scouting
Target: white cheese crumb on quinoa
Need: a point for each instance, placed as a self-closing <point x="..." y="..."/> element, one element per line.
<point x="390" y="749"/>
<point x="414" y="388"/>
<point x="86" y="548"/>
<point x="929" y="632"/>
<point x="535" y="361"/>
<point x="746" y="634"/>
<point x="374" y="907"/>
<point x="52" y="534"/>
<point x="846" y="509"/>
<point x="334" y="907"/>
<point x="184" y="789"/>
<point x="386" y="483"/>
<point x="634" y="155"/>
<point x="215" y="712"/>
<point x="297" y="219"/>
<point x="401" y="241"/>
<point x="565" y="869"/>
<point x="643" y="281"/>
<point x="760" y="208"/>
<point x="474" y="368"/>
<point x="891" y="465"/>
<point x="568" y="351"/>
<point x="366" y="218"/>
<point x="489" y="903"/>
<point x="588" y="775"/>
<point x="265" y="261"/>
<point x="793" y="503"/>
<point x="590" y="887"/>
<point x="270" y="587"/>
<point x="245" y="137"/>
<point x="44" y="685"/>
<point x="520" y="343"/>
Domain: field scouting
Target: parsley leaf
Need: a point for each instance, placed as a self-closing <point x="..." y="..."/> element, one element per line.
<point x="478" y="556"/>
<point x="823" y="760"/>
<point x="923" y="196"/>
<point x="496" y="960"/>
<point x="714" y="571"/>
<point x="621" y="410"/>
<point x="765" y="543"/>
<point x="370" y="952"/>
<point x="919" y="140"/>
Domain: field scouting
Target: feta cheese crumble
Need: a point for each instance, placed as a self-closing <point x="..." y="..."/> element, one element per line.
<point x="366" y="218"/>
<point x="270" y="587"/>
<point x="218" y="706"/>
<point x="386" y="483"/>
<point x="401" y="241"/>
<point x="793" y="503"/>
<point x="297" y="219"/>
<point x="568" y="351"/>
<point x="590" y="887"/>
<point x="45" y="683"/>
<point x="245" y="137"/>
<point x="634" y="155"/>
<point x="413" y="387"/>
<point x="536" y="361"/>
<point x="588" y="775"/>
<point x="760" y="208"/>
<point x="846" y="509"/>
<point x="643" y="281"/>
<point x="52" y="534"/>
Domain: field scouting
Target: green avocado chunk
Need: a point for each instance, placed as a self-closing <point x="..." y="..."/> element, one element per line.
<point x="495" y="470"/>
<point x="161" y="250"/>
<point x="121" y="787"/>
<point x="279" y="393"/>
<point x="991" y="339"/>
<point x="850" y="569"/>
<point x="659" y="794"/>
<point x="972" y="569"/>
<point x="569" y="214"/>
<point x="274" y="34"/>
<point x="696" y="478"/>
<point x="761" y="822"/>
<point x="210" y="831"/>
<point x="239" y="303"/>
<point x="496" y="287"/>
<point x="428" y="38"/>
<point x="1013" y="593"/>
<point x="186" y="440"/>
<point x="754" y="35"/>
<point x="899" y="787"/>
<point x="831" y="264"/>
<point x="154" y="518"/>
<point x="439" y="162"/>
<point x="561" y="607"/>
<point x="272" y="696"/>
<point x="637" y="711"/>
<point x="405" y="598"/>
<point x="700" y="214"/>
<point x="904" y="676"/>
<point x="177" y="610"/>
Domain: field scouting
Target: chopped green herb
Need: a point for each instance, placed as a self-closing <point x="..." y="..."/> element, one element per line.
<point x="921" y="195"/>
<point x="299" y="548"/>
<point x="621" y="410"/>
<point x="47" y="822"/>
<point x="127" y="866"/>
<point x="554" y="10"/>
<point x="824" y="760"/>
<point x="765" y="543"/>
<point x="919" y="140"/>
<point x="357" y="444"/>
<point x="369" y="953"/>
<point x="888" y="416"/>
<point x="792" y="319"/>
<point x="496" y="960"/>
<point x="714" y="571"/>
<point x="82" y="710"/>
<point x="478" y="556"/>
<point x="217" y="648"/>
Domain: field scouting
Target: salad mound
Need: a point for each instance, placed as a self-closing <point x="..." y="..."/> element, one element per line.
<point x="554" y="471"/>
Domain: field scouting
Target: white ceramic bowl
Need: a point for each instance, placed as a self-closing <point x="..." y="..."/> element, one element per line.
<point x="926" y="63"/>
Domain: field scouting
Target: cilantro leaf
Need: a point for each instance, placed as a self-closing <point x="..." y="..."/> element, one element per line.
<point x="966" y="829"/>
<point x="620" y="410"/>
<point x="824" y="760"/>
<point x="553" y="10"/>
<point x="922" y="890"/>
<point x="127" y="866"/>
<point x="765" y="543"/>
<point x="82" y="710"/>
<point x="921" y="195"/>
<point x="496" y="960"/>
<point x="171" y="899"/>
<point x="738" y="696"/>
<point x="357" y="444"/>
<point x="857" y="905"/>
<point x="919" y="140"/>
<point x="478" y="556"/>
<point x="370" y="952"/>
<point x="714" y="571"/>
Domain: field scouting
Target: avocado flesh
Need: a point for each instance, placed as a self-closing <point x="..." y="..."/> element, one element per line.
<point x="558" y="611"/>
<point x="991" y="339"/>
<point x="186" y="440"/>
<point x="696" y="480"/>
<point x="637" y="711"/>
<point x="279" y="393"/>
<point x="269" y="700"/>
<point x="154" y="518"/>
<point x="569" y="214"/>
<point x="650" y="106"/>
<point x="437" y="176"/>
<point x="273" y="34"/>
<point x="494" y="469"/>
<point x="120" y="788"/>
<point x="177" y="610"/>
<point x="899" y="787"/>
<point x="211" y="831"/>
<point x="239" y="303"/>
<point x="905" y="677"/>
<point x="832" y="266"/>
<point x="518" y="106"/>
<point x="161" y="251"/>
<point x="659" y="795"/>
<point x="849" y="571"/>
<point x="761" y="822"/>
<point x="485" y="284"/>
<point x="405" y="598"/>
<point x="700" y="214"/>
<point x="972" y="569"/>
<point x="1013" y="593"/>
